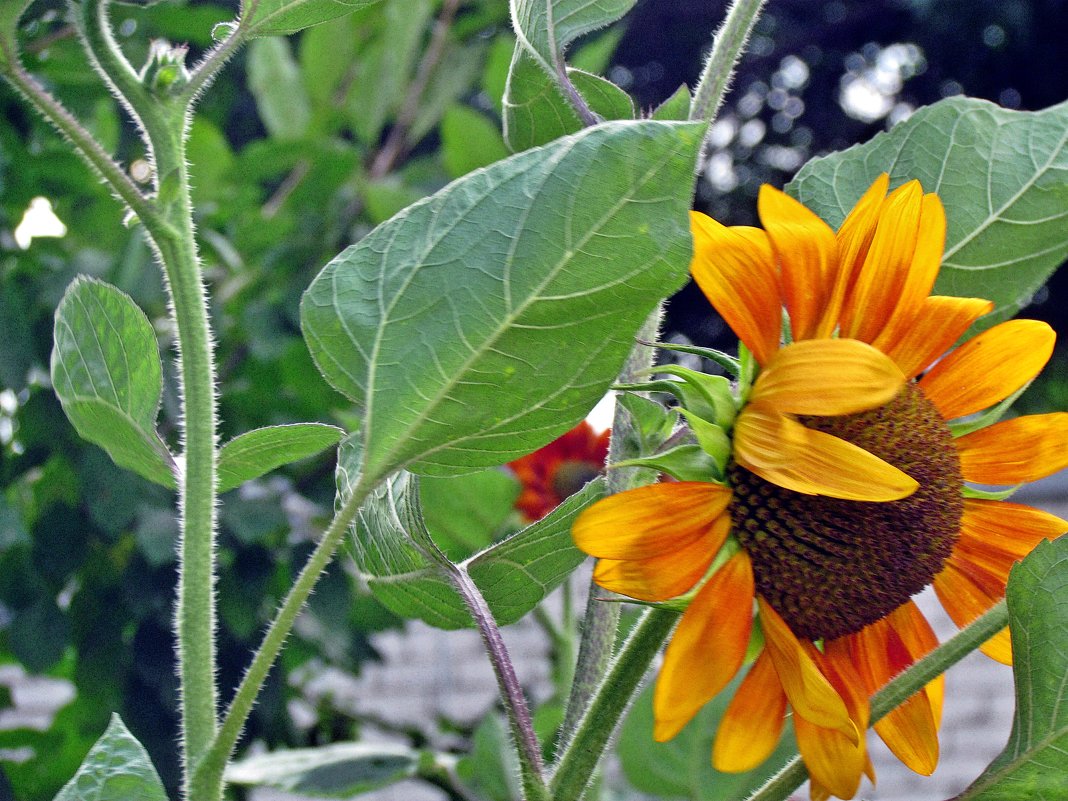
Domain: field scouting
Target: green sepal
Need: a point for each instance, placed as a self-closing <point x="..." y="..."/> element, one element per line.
<point x="988" y="495"/>
<point x="653" y="422"/>
<point x="687" y="462"/>
<point x="708" y="396"/>
<point x="747" y="373"/>
<point x="712" y="439"/>
<point x="989" y="417"/>
<point x="724" y="360"/>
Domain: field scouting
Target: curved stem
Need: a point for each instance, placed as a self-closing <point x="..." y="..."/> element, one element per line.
<point x="728" y="43"/>
<point x="204" y="72"/>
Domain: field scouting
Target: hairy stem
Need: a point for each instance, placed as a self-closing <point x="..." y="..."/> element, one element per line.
<point x="728" y="43"/>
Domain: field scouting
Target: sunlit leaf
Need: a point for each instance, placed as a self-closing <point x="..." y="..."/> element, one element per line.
<point x="258" y="452"/>
<point x="1002" y="176"/>
<point x="547" y="28"/>
<point x="534" y="110"/>
<point x="117" y="768"/>
<point x="279" y="17"/>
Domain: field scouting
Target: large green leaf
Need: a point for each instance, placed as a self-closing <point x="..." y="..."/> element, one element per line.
<point x="1002" y="175"/>
<point x="393" y="552"/>
<point x="1033" y="764"/>
<point x="547" y="27"/>
<point x="117" y="768"/>
<point x="487" y="320"/>
<point x="107" y="373"/>
<point x="256" y="453"/>
<point x="280" y="17"/>
<point x="340" y="770"/>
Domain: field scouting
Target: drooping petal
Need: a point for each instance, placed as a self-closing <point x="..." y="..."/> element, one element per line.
<point x="941" y="321"/>
<point x="784" y="452"/>
<point x="879" y="283"/>
<point x="666" y="575"/>
<point x="919" y="639"/>
<point x="994" y="535"/>
<point x="796" y="379"/>
<point x="1015" y="451"/>
<point x="650" y="521"/>
<point x="707" y="648"/>
<point x="810" y="693"/>
<point x="753" y="723"/>
<point x="989" y="367"/>
<point x="854" y="239"/>
<point x="966" y="594"/>
<point x="735" y="268"/>
<point x="807" y="251"/>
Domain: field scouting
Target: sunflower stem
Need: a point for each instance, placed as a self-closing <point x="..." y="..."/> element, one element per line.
<point x="899" y="689"/>
<point x="727" y="45"/>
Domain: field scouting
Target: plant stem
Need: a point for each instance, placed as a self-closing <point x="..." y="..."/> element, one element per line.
<point x="728" y="42"/>
<point x="207" y="774"/>
<point x="899" y="689"/>
<point x="583" y="752"/>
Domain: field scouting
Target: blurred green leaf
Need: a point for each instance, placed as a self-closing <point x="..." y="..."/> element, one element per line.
<point x="547" y="28"/>
<point x="10" y="11"/>
<point x="490" y="768"/>
<point x="107" y="373"/>
<point x="39" y="635"/>
<point x="341" y="770"/>
<point x="454" y="77"/>
<point x="258" y="452"/>
<point x="1032" y="766"/>
<point x="1002" y="176"/>
<point x="464" y="513"/>
<point x="595" y="53"/>
<point x="280" y="17"/>
<point x="469" y="140"/>
<point x="482" y="383"/>
<point x="117" y="768"/>
<point x="16" y="336"/>
<point x="275" y="82"/>
<point x="534" y="110"/>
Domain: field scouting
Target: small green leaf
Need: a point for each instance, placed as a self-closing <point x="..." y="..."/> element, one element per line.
<point x="1002" y="176"/>
<point x="676" y="107"/>
<point x="605" y="99"/>
<point x="117" y="768"/>
<point x="340" y="770"/>
<point x="281" y="17"/>
<point x="469" y="140"/>
<point x="490" y="767"/>
<point x="465" y="513"/>
<point x="275" y="82"/>
<point x="258" y="452"/>
<point x="485" y="321"/>
<point x="534" y="110"/>
<point x="1033" y="766"/>
<point x="547" y="28"/>
<point x="107" y="373"/>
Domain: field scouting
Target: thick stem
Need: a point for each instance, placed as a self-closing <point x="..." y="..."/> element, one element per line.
<point x="897" y="690"/>
<point x="583" y="753"/>
<point x="728" y="43"/>
<point x="206" y="782"/>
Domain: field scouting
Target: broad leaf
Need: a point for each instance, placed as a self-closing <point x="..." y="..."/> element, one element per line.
<point x="547" y="27"/>
<point x="534" y="110"/>
<point x="107" y="373"/>
<point x="465" y="513"/>
<point x="1002" y="175"/>
<point x="256" y="453"/>
<point x="514" y="575"/>
<point x="275" y="82"/>
<point x="1033" y="764"/>
<point x="487" y="320"/>
<point x="281" y="17"/>
<point x="341" y="770"/>
<point x="117" y="768"/>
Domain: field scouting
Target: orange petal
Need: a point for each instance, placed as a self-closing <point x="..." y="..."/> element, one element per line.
<point x="650" y="521"/>
<point x="965" y="597"/>
<point x="784" y="452"/>
<point x="666" y="575"/>
<point x="807" y="251"/>
<point x="989" y="367"/>
<point x="919" y="639"/>
<point x="941" y="321"/>
<point x="854" y="239"/>
<point x="1015" y="451"/>
<point x="827" y="377"/>
<point x="735" y="268"/>
<point x="753" y="723"/>
<point x="881" y="279"/>
<point x="996" y="534"/>
<point x="810" y="693"/>
<point x="707" y="648"/>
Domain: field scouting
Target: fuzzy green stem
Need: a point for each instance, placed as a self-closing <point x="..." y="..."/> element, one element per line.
<point x="215" y="59"/>
<point x="728" y="43"/>
<point x="584" y="751"/>
<point x="206" y="782"/>
<point x="899" y="689"/>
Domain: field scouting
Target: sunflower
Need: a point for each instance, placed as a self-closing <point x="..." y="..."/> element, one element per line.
<point x="859" y="447"/>
<point x="552" y="473"/>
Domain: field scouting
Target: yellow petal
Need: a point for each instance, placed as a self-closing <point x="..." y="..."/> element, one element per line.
<point x="808" y="256"/>
<point x="854" y="239"/>
<point x="966" y="593"/>
<point x="666" y="575"/>
<point x="881" y="279"/>
<point x="707" y="648"/>
<point x="810" y="693"/>
<point x="753" y="723"/>
<point x="1015" y="451"/>
<point x="941" y="321"/>
<point x="735" y="268"/>
<point x="784" y="452"/>
<point x="827" y="377"/>
<point x="996" y="534"/>
<point x="989" y="367"/>
<point x="650" y="521"/>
